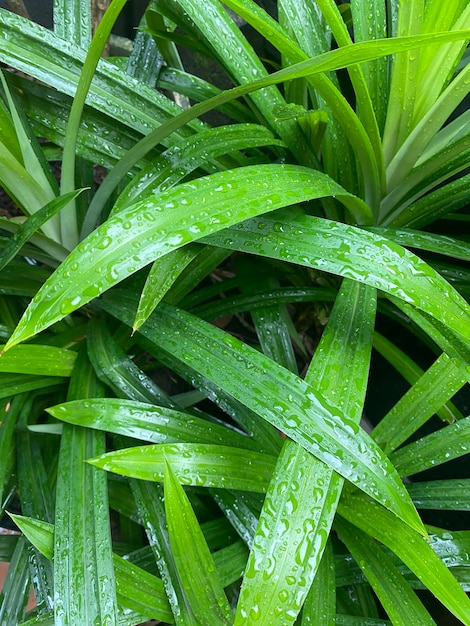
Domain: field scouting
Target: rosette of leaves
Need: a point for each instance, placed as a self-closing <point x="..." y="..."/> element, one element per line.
<point x="169" y="468"/>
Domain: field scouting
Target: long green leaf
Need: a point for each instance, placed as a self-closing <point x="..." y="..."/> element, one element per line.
<point x="336" y="59"/>
<point x="453" y="494"/>
<point x="32" y="224"/>
<point x="440" y="383"/>
<point x="304" y="491"/>
<point x="13" y="384"/>
<point x="353" y="253"/>
<point x="412" y="549"/>
<point x="150" y="423"/>
<point x="320" y="605"/>
<point x="149" y="500"/>
<point x="10" y="415"/>
<point x="193" y="559"/>
<point x="135" y="588"/>
<point x="117" y="370"/>
<point x="281" y="398"/>
<point x="82" y="547"/>
<point x="15" y="591"/>
<point x="68" y="218"/>
<point x="158" y="225"/>
<point x="443" y="445"/>
<point x="398" y="599"/>
<point x="39" y="360"/>
<point x="203" y="465"/>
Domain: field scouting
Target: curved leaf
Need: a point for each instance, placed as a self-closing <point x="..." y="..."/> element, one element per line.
<point x="150" y="423"/>
<point x="39" y="360"/>
<point x="204" y="465"/>
<point x="353" y="253"/>
<point x="152" y="228"/>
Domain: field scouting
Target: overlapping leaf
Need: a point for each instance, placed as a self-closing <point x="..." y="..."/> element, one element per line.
<point x="279" y="397"/>
<point x="148" y="230"/>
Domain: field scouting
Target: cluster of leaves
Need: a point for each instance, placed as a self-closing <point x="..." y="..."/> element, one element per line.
<point x="250" y="493"/>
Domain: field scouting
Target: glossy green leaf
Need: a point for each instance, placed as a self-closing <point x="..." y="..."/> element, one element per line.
<point x="193" y="559"/>
<point x="443" y="445"/>
<point x="159" y="225"/>
<point x="290" y="537"/>
<point x="58" y="62"/>
<point x="162" y="276"/>
<point x="39" y="360"/>
<point x="150" y="505"/>
<point x="68" y="217"/>
<point x="117" y="370"/>
<point x="140" y="591"/>
<point x="150" y="423"/>
<point x="304" y="491"/>
<point x="37" y="501"/>
<point x="336" y="59"/>
<point x="38" y="184"/>
<point x="72" y="21"/>
<point x="453" y="494"/>
<point x="200" y="150"/>
<point x="9" y="417"/>
<point x="38" y="532"/>
<point x="320" y="605"/>
<point x="32" y="224"/>
<point x="398" y="599"/>
<point x="261" y="299"/>
<point x="15" y="591"/>
<point x="203" y="465"/>
<point x="353" y="253"/>
<point x="411" y="548"/>
<point x="82" y="546"/>
<point x="437" y="385"/>
<point x="366" y="145"/>
<point x="13" y="384"/>
<point x="431" y="242"/>
<point x="293" y="406"/>
<point x="369" y="21"/>
<point x="135" y="588"/>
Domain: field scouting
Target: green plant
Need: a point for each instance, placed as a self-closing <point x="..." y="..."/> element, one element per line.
<point x="302" y="209"/>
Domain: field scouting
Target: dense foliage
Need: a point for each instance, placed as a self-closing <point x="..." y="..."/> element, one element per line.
<point x="190" y="344"/>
